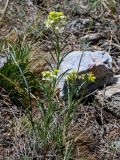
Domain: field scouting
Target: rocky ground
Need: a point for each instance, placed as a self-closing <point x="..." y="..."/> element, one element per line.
<point x="96" y="126"/>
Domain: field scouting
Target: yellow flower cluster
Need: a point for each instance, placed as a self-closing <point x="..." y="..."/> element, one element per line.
<point x="72" y="76"/>
<point x="48" y="75"/>
<point x="55" y="20"/>
<point x="89" y="77"/>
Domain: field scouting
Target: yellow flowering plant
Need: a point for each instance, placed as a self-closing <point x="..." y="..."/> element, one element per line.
<point x="55" y="20"/>
<point x="55" y="71"/>
<point x="50" y="75"/>
<point x="72" y="76"/>
<point x="91" y="77"/>
<point x="88" y="77"/>
<point x="50" y="79"/>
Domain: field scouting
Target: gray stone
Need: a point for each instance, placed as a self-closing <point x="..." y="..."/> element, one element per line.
<point x="93" y="37"/>
<point x="77" y="24"/>
<point x="111" y="96"/>
<point x="97" y="62"/>
<point x="111" y="90"/>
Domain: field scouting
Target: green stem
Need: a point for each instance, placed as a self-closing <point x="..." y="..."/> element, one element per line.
<point x="57" y="49"/>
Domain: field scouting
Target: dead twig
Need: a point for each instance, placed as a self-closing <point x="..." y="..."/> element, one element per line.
<point x="4" y="9"/>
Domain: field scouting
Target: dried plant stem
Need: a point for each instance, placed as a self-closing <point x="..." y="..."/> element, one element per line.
<point x="4" y="9"/>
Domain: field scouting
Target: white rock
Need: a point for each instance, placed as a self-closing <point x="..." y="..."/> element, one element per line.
<point x="99" y="62"/>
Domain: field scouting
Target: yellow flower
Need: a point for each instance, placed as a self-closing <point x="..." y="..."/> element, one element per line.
<point x="72" y="76"/>
<point x="55" y="15"/>
<point x="55" y="71"/>
<point x="88" y="77"/>
<point x="47" y="75"/>
<point x="55" y="20"/>
<point x="91" y="77"/>
<point x="83" y="76"/>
